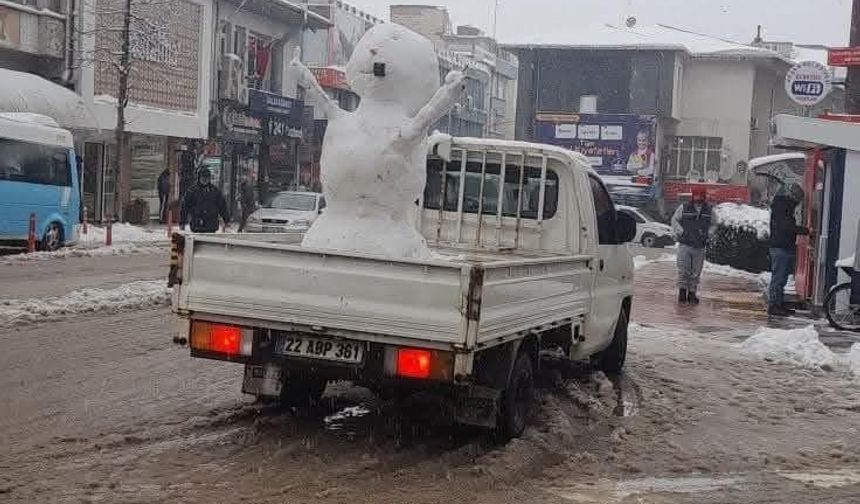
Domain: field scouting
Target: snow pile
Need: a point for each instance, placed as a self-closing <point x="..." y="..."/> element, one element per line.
<point x="65" y="253"/>
<point x="133" y="295"/>
<point x="641" y="261"/>
<point x="853" y="359"/>
<point x="725" y="270"/>
<point x="794" y="346"/>
<point x="846" y="262"/>
<point x="756" y="220"/>
<point x="123" y="233"/>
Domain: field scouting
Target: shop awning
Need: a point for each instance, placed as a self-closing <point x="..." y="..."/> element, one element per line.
<point x="26" y="92"/>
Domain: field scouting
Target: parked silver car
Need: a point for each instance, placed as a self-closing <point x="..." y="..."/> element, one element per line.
<point x="287" y="211"/>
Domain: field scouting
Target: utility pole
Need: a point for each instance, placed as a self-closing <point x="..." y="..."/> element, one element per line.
<point x="852" y="84"/>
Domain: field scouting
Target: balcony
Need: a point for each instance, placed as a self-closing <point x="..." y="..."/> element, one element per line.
<point x="33" y="27"/>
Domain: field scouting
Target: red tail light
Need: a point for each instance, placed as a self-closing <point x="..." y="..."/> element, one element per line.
<point x="221" y="338"/>
<point x="225" y="339"/>
<point x="413" y="363"/>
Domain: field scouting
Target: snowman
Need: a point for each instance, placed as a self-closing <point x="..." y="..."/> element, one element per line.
<point x="373" y="159"/>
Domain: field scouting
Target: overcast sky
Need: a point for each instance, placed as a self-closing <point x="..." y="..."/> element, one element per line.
<point x="801" y="21"/>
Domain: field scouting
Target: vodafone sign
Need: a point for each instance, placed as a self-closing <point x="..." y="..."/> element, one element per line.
<point x="808" y="83"/>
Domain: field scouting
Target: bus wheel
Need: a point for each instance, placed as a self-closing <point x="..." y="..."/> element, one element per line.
<point x="53" y="238"/>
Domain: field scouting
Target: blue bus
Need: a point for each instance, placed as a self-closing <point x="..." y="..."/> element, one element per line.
<point x="38" y="175"/>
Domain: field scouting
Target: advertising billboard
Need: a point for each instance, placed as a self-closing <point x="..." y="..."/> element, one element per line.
<point x="620" y="148"/>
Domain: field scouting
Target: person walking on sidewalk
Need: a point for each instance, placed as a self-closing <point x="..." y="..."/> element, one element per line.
<point x="203" y="205"/>
<point x="692" y="224"/>
<point x="783" y="246"/>
<point x="163" y="194"/>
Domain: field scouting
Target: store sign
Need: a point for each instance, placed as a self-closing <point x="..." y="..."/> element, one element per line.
<point x="717" y="193"/>
<point x="239" y="121"/>
<point x="808" y="83"/>
<point x="843" y="56"/>
<point x="263" y="103"/>
<point x="279" y="126"/>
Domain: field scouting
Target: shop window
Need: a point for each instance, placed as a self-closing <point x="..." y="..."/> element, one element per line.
<point x="695" y="158"/>
<point x="474" y="203"/>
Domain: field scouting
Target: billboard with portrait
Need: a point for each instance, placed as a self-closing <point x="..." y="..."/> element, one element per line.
<point x="620" y="147"/>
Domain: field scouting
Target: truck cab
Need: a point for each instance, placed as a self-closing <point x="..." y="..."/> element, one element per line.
<point x="530" y="259"/>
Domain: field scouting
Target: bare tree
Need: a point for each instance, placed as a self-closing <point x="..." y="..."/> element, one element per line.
<point x="125" y="35"/>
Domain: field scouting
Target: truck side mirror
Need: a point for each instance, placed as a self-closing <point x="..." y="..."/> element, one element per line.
<point x="625" y="228"/>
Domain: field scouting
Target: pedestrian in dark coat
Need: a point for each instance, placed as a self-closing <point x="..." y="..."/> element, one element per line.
<point x="783" y="246"/>
<point x="248" y="201"/>
<point x="203" y="205"/>
<point x="163" y="194"/>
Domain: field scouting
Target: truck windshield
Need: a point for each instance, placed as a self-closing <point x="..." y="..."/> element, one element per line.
<point x="293" y="201"/>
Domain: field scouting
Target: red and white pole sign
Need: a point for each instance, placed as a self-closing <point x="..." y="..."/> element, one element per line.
<point x="843" y="56"/>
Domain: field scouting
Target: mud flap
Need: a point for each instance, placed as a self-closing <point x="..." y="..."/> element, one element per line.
<point x="477" y="405"/>
<point x="263" y="381"/>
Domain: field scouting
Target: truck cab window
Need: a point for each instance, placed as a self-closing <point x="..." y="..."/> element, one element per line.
<point x="604" y="211"/>
<point x="488" y="205"/>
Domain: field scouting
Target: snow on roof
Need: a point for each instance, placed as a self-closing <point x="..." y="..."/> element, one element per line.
<point x="763" y="160"/>
<point x="26" y="92"/>
<point x="649" y="37"/>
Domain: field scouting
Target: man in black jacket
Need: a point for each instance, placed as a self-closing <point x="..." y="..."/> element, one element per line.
<point x="203" y="205"/>
<point x="783" y="246"/>
<point x="693" y="226"/>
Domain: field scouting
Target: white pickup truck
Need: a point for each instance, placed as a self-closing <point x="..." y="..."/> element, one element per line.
<point x="529" y="260"/>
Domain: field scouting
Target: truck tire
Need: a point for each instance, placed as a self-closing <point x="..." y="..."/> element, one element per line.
<point x="611" y="360"/>
<point x="518" y="396"/>
<point x="302" y="391"/>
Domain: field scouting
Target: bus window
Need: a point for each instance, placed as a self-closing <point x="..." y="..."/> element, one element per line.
<point x="34" y="164"/>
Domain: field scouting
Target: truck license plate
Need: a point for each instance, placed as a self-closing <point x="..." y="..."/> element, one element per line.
<point x="325" y="349"/>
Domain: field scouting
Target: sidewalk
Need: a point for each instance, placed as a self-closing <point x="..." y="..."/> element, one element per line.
<point x="727" y="302"/>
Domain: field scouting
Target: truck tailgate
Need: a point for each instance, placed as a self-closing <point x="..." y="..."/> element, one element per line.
<point x="438" y="302"/>
<point x="290" y="285"/>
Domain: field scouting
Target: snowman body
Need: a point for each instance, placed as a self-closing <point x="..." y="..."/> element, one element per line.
<point x="373" y="164"/>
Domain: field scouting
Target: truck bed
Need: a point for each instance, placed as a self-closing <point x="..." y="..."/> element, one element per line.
<point x="459" y="299"/>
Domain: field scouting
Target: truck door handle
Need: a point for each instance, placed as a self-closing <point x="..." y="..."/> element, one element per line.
<point x="602" y="264"/>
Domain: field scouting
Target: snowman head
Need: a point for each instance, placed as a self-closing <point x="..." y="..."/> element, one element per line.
<point x="392" y="63"/>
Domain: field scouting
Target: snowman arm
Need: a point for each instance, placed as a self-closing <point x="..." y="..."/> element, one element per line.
<point x="439" y="105"/>
<point x="329" y="105"/>
<point x="308" y="80"/>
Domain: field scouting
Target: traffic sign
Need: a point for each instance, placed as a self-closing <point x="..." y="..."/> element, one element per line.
<point x="843" y="56"/>
<point x="808" y="83"/>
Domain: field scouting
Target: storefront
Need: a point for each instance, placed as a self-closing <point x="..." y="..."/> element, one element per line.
<point x="831" y="208"/>
<point x="282" y="136"/>
<point x="235" y="156"/>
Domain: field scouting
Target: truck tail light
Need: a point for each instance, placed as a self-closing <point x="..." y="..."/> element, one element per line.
<point x="413" y="363"/>
<point x="221" y="338"/>
<point x="419" y="363"/>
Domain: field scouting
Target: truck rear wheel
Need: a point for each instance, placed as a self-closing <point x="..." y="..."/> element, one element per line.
<point x="611" y="360"/>
<point x="302" y="391"/>
<point x="518" y="397"/>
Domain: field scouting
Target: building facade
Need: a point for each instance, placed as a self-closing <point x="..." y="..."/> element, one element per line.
<point x="33" y="38"/>
<point x="489" y="105"/>
<point x="710" y="102"/>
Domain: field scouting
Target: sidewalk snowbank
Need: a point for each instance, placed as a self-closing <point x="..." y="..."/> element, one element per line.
<point x="123" y="233"/>
<point x="794" y="346"/>
<point x="854" y="359"/>
<point x="133" y="295"/>
<point x="746" y="217"/>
